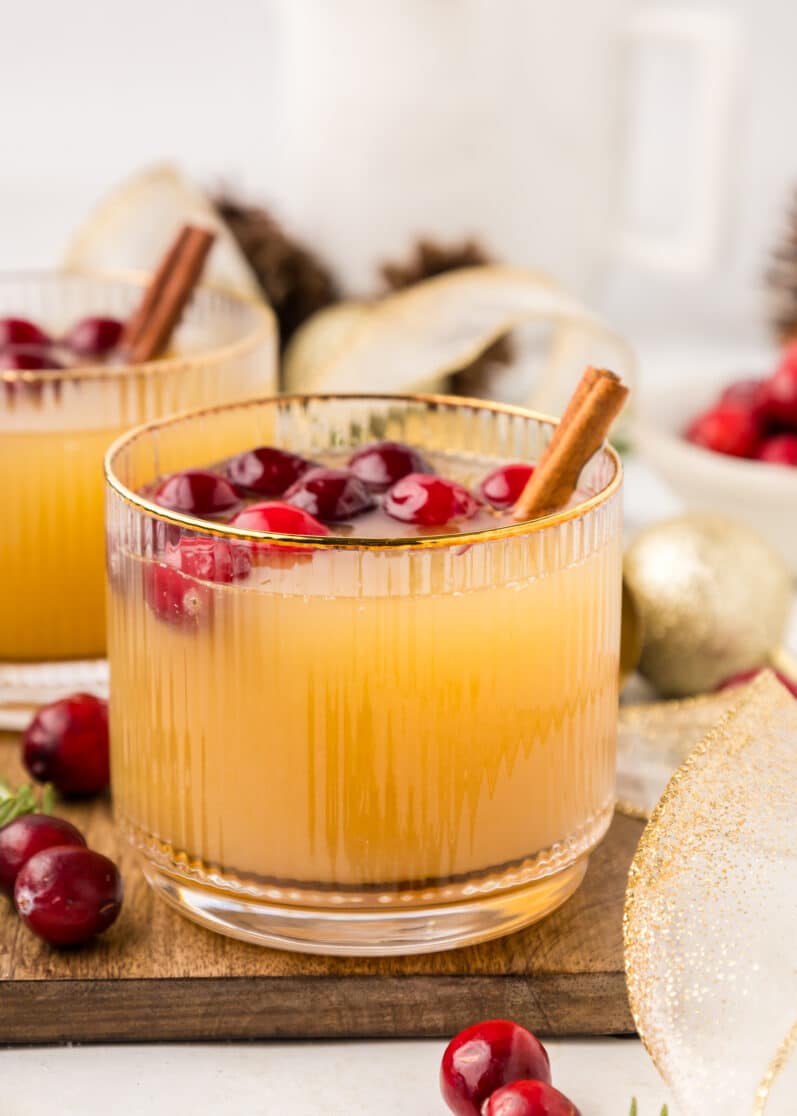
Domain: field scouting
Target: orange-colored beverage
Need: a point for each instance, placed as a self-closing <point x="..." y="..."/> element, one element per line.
<point x="364" y="744"/>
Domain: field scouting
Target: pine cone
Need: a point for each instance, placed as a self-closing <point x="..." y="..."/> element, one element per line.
<point x="781" y="280"/>
<point x="292" y="278"/>
<point x="429" y="259"/>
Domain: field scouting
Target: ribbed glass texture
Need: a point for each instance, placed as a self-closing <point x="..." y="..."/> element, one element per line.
<point x="366" y="724"/>
<point x="55" y="428"/>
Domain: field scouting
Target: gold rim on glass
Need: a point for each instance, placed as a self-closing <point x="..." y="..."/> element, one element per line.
<point x="314" y="542"/>
<point x="261" y="331"/>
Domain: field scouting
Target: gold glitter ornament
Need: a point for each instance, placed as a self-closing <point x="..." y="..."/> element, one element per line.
<point x="712" y="600"/>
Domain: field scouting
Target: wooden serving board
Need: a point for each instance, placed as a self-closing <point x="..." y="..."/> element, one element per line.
<point x="155" y="976"/>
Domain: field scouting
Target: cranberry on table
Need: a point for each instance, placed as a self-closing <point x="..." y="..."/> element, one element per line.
<point x="486" y="1056"/>
<point x="780" y="390"/>
<point x="503" y="486"/>
<point x="66" y="744"/>
<point x="24" y="837"/>
<point x="780" y="449"/>
<point x="729" y="429"/>
<point x="67" y="895"/>
<point x="94" y="337"/>
<point x="266" y="471"/>
<point x="196" y="492"/>
<point x="529" y="1098"/>
<point x="429" y="501"/>
<point x="383" y="463"/>
<point x="748" y="394"/>
<point x="330" y="494"/>
<point x="19" y="331"/>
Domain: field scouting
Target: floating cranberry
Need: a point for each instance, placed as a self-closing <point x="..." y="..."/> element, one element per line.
<point x="780" y="449"/>
<point x="529" y="1098"/>
<point x="28" y="359"/>
<point x="94" y="337"/>
<point x="745" y="676"/>
<point x="210" y="559"/>
<point x="66" y="744"/>
<point x="19" y="331"/>
<point x="266" y="471"/>
<point x="484" y="1057"/>
<point x="780" y="390"/>
<point x="429" y="501"/>
<point x="330" y="494"/>
<point x="66" y="895"/>
<point x="727" y="428"/>
<point x="503" y="485"/>
<point x="383" y="463"/>
<point x="196" y="492"/>
<point x="24" y="837"/>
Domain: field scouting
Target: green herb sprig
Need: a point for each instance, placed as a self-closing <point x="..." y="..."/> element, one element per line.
<point x="24" y="800"/>
<point x="634" y="1112"/>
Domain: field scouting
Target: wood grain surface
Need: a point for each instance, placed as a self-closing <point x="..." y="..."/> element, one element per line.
<point x="155" y="976"/>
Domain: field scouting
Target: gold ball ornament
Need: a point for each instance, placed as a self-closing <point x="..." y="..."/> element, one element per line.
<point x="712" y="600"/>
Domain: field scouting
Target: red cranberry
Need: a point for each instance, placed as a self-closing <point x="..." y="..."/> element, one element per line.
<point x="748" y="394"/>
<point x="19" y="331"/>
<point x="728" y="429"/>
<point x="483" y="1058"/>
<point x="529" y="1098"/>
<point x="266" y="471"/>
<point x="66" y="895"/>
<point x="66" y="744"/>
<point x="94" y="337"/>
<point x="429" y="501"/>
<point x="280" y="519"/>
<point x="330" y="494"/>
<point x="196" y="492"/>
<point x="780" y="390"/>
<point x="24" y="837"/>
<point x="781" y="449"/>
<point x="210" y="559"/>
<point x="28" y="359"/>
<point x="745" y="676"/>
<point x="173" y="596"/>
<point x="383" y="463"/>
<point x="503" y="486"/>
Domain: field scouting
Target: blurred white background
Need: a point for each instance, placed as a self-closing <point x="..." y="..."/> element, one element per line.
<point x="544" y="128"/>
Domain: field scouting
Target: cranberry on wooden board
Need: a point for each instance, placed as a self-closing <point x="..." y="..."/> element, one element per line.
<point x="429" y="501"/>
<point x="196" y="492"/>
<point x="503" y="486"/>
<point x="66" y="744"/>
<point x="266" y="471"/>
<point x="383" y="463"/>
<point x="24" y="837"/>
<point x="67" y="895"/>
<point x="486" y="1056"/>
<point x="331" y="495"/>
<point x="529" y="1098"/>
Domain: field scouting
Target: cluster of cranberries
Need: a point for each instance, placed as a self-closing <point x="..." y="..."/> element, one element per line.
<point x="500" y="1069"/>
<point x="26" y="346"/>
<point x="63" y="891"/>
<point x="754" y="418"/>
<point x="272" y="490"/>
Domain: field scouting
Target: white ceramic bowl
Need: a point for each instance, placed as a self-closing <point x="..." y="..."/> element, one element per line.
<point x="762" y="496"/>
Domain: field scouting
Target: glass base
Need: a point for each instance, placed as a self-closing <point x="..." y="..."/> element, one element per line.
<point x="26" y="686"/>
<point x="367" y="933"/>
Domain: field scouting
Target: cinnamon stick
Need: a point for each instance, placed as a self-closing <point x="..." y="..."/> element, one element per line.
<point x="597" y="401"/>
<point x="150" y="327"/>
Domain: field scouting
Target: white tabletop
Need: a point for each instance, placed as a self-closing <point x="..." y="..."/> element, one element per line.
<point x="300" y="1079"/>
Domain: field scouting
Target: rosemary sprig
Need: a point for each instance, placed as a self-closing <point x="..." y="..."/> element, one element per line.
<point x="634" y="1111"/>
<point x="23" y="800"/>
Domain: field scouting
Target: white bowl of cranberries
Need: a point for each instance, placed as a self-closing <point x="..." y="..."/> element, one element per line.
<point x="730" y="446"/>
